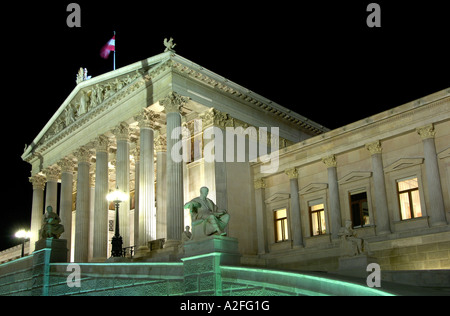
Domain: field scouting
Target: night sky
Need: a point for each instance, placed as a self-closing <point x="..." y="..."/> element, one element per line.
<point x="319" y="59"/>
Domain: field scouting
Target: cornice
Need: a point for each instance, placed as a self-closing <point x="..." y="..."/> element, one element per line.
<point x="198" y="73"/>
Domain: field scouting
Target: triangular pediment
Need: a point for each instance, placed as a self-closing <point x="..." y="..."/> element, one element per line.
<point x="403" y="163"/>
<point x="278" y="197"/>
<point x="355" y="176"/>
<point x="313" y="187"/>
<point x="93" y="96"/>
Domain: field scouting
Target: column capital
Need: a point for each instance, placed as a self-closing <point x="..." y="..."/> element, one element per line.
<point x="122" y="131"/>
<point x="38" y="181"/>
<point x="330" y="161"/>
<point x="213" y="117"/>
<point x="173" y="102"/>
<point x="83" y="155"/>
<point x="52" y="174"/>
<point x="101" y="144"/>
<point x="292" y="173"/>
<point x="161" y="143"/>
<point x="147" y="119"/>
<point x="374" y="148"/>
<point x="260" y="184"/>
<point x="426" y="132"/>
<point x="67" y="165"/>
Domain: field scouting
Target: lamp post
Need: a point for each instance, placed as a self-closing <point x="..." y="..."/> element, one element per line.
<point x="117" y="197"/>
<point x="24" y="236"/>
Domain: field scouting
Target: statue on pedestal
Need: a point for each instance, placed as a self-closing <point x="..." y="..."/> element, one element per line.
<point x="51" y="227"/>
<point x="207" y="219"/>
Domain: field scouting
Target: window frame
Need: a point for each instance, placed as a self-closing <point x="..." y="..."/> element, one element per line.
<point x="318" y="219"/>
<point x="410" y="199"/>
<point x="355" y="192"/>
<point x="284" y="228"/>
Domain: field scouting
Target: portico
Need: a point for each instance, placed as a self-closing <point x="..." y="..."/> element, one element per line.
<point x="136" y="109"/>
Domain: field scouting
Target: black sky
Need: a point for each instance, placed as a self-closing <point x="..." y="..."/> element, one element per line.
<point x="319" y="59"/>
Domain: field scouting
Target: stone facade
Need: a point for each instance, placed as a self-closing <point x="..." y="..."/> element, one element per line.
<point x="287" y="215"/>
<point x="369" y="157"/>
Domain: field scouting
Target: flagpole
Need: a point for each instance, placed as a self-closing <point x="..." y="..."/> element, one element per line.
<point x="115" y="53"/>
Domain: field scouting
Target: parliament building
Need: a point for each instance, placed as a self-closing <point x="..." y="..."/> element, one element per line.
<point x="302" y="199"/>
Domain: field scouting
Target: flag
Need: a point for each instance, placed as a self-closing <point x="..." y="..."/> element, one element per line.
<point x="108" y="48"/>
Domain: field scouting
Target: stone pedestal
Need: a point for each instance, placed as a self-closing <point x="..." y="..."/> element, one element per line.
<point x="58" y="248"/>
<point x="355" y="266"/>
<point x="202" y="260"/>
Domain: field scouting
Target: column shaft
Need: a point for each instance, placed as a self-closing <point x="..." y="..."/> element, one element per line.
<point x="51" y="194"/>
<point x="82" y="207"/>
<point x="436" y="210"/>
<point x="100" y="251"/>
<point x="333" y="191"/>
<point x="261" y="220"/>
<point x="137" y="164"/>
<point x="65" y="203"/>
<point x="161" y="187"/>
<point x="382" y="221"/>
<point x="37" y="210"/>
<point x="296" y="225"/>
<point x="147" y="212"/>
<point x="175" y="200"/>
<point x="123" y="179"/>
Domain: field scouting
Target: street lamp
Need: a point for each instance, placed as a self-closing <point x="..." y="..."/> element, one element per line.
<point x="117" y="197"/>
<point x="24" y="236"/>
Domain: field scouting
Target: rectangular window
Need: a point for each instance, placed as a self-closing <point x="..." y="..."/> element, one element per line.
<point x="409" y="198"/>
<point x="359" y="209"/>
<point x="317" y="216"/>
<point x="281" y="225"/>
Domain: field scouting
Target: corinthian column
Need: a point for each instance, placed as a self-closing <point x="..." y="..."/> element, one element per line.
<point x="83" y="156"/>
<point x="333" y="190"/>
<point x="147" y="212"/>
<point x="161" y="208"/>
<point x="296" y="224"/>
<point x="38" y="182"/>
<point x="175" y="201"/>
<point x="51" y="195"/>
<point x="436" y="209"/>
<point x="100" y="244"/>
<point x="123" y="179"/>
<point x="381" y="205"/>
<point x="65" y="204"/>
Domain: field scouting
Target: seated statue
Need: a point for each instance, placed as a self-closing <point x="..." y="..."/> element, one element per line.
<point x="51" y="227"/>
<point x="352" y="246"/>
<point x="207" y="219"/>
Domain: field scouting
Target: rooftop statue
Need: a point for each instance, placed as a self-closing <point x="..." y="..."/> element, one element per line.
<point x="207" y="219"/>
<point x="51" y="227"/>
<point x="169" y="44"/>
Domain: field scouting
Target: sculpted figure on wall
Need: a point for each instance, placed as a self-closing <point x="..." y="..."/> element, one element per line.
<point x="350" y="244"/>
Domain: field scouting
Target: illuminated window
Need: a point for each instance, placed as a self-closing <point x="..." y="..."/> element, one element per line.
<point x="281" y="225"/>
<point x="409" y="199"/>
<point x="359" y="209"/>
<point x="317" y="216"/>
